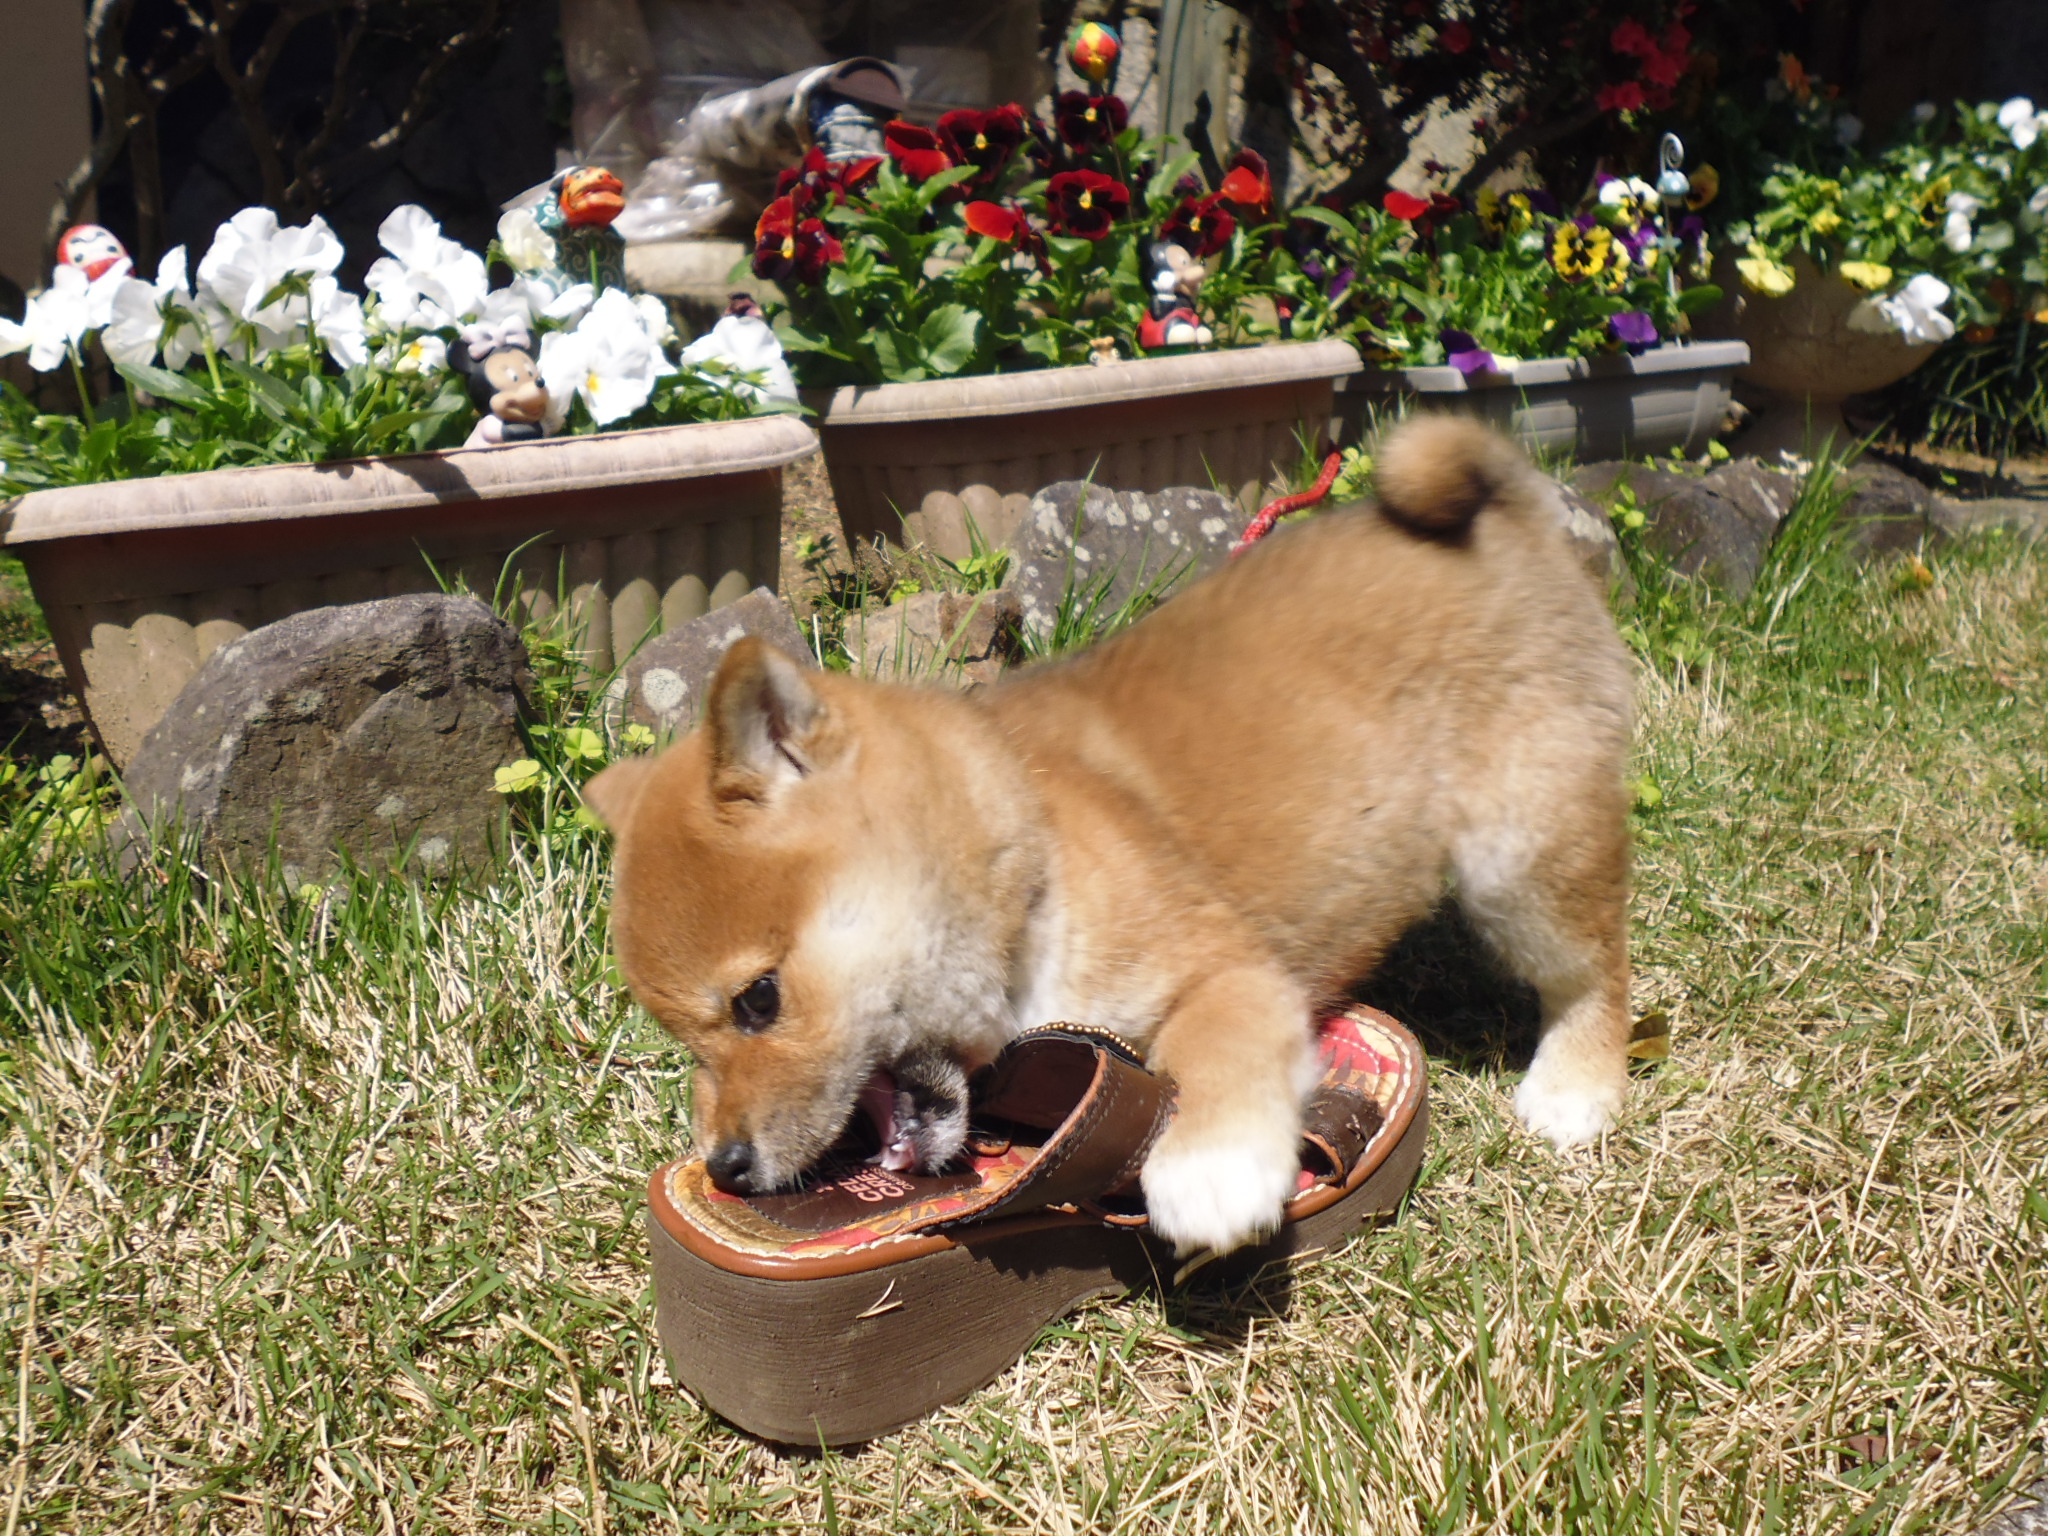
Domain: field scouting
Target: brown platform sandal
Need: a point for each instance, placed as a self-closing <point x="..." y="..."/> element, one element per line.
<point x="860" y="1303"/>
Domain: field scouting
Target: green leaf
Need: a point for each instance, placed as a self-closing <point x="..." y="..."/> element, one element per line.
<point x="948" y="336"/>
<point x="1162" y="181"/>
<point x="1693" y="300"/>
<point x="163" y="383"/>
<point x="1329" y="217"/>
<point x="928" y="192"/>
<point x="271" y="392"/>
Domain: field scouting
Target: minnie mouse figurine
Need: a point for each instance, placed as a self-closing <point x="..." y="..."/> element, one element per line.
<point x="1173" y="321"/>
<point x="503" y="381"/>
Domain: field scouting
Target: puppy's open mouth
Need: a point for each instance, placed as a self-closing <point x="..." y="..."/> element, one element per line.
<point x="911" y="1115"/>
<point x="892" y="1117"/>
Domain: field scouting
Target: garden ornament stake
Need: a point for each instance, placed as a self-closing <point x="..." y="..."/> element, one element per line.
<point x="1673" y="187"/>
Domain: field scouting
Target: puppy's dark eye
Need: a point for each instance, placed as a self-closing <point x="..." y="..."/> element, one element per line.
<point x="754" y="1009"/>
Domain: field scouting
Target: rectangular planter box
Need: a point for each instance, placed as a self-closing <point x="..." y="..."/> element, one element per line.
<point x="916" y="460"/>
<point x="142" y="580"/>
<point x="1593" y="408"/>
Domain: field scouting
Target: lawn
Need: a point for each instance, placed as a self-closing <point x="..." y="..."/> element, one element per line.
<point x="320" y="1210"/>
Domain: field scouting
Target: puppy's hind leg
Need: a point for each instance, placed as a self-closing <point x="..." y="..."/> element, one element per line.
<point x="1556" y="910"/>
<point x="1240" y="1051"/>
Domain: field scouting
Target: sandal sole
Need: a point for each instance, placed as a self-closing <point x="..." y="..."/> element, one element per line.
<point x="880" y="1348"/>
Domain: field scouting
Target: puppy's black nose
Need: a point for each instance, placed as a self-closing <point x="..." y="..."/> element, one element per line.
<point x="730" y="1164"/>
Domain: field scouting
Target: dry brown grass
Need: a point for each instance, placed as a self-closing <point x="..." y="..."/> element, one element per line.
<point x="326" y="1207"/>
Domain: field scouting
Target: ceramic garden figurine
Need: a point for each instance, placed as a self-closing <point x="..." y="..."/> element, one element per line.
<point x="92" y="248"/>
<point x="504" y="382"/>
<point x="1173" y="320"/>
<point x="577" y="212"/>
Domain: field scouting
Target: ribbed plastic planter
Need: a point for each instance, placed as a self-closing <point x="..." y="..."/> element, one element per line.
<point x="1594" y="408"/>
<point x="918" y="460"/>
<point x="142" y="580"/>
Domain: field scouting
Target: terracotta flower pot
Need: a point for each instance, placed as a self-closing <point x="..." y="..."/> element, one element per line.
<point x="142" y="580"/>
<point x="1593" y="408"/>
<point x="919" y="460"/>
<point x="1804" y="352"/>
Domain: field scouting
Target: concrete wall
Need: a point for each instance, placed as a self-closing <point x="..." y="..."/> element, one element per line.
<point x="44" y="102"/>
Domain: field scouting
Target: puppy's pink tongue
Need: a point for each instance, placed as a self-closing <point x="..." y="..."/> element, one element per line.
<point x="878" y="1103"/>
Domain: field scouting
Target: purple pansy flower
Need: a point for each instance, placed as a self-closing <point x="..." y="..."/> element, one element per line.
<point x="1341" y="282"/>
<point x="1634" y="330"/>
<point x="1465" y="354"/>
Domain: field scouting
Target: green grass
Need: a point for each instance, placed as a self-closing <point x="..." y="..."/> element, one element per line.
<point x="321" y="1211"/>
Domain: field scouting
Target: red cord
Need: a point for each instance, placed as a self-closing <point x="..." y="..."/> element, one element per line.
<point x="1262" y="525"/>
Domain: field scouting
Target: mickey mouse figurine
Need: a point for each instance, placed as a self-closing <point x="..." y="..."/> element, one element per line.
<point x="503" y="381"/>
<point x="1174" y="321"/>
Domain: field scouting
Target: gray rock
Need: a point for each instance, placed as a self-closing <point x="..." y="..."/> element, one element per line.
<point x="1591" y="535"/>
<point x="946" y="637"/>
<point x="2027" y="1516"/>
<point x="1960" y="519"/>
<point x="1109" y="546"/>
<point x="1687" y="519"/>
<point x="663" y="686"/>
<point x="373" y="728"/>
<point x="1765" y="494"/>
<point x="1887" y="511"/>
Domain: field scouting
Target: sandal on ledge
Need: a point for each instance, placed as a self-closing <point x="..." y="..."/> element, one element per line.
<point x="839" y="1311"/>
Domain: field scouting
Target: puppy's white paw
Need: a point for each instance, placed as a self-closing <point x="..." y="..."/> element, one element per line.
<point x="1566" y="1114"/>
<point x="1219" y="1191"/>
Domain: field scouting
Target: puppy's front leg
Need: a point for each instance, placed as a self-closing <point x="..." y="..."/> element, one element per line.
<point x="1239" y="1049"/>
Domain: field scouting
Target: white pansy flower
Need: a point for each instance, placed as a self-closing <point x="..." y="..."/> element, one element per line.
<point x="526" y="246"/>
<point x="337" y="319"/>
<point x="1914" y="312"/>
<point x="163" y="315"/>
<point x="746" y="343"/>
<point x="55" y="321"/>
<point x="1848" y="129"/>
<point x="428" y="281"/>
<point x="1621" y="189"/>
<point x="250" y="258"/>
<point x="426" y="353"/>
<point x="2038" y="203"/>
<point x="1956" y="233"/>
<point x="609" y="361"/>
<point x="1923" y="112"/>
<point x="2018" y="118"/>
<point x="654" y="316"/>
<point x="1919" y="169"/>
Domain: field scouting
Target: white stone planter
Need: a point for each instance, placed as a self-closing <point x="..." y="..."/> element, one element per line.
<point x="918" y="460"/>
<point x="1593" y="408"/>
<point x="142" y="580"/>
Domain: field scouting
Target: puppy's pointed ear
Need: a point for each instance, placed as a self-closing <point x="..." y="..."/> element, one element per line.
<point x="614" y="792"/>
<point x="763" y="719"/>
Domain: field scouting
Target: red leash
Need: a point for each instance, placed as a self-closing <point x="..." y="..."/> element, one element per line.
<point x="1262" y="525"/>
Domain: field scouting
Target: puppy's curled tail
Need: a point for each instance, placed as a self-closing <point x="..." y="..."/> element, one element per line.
<point x="1436" y="473"/>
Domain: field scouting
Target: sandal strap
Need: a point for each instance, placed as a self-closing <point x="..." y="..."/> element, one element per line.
<point x="1103" y="1110"/>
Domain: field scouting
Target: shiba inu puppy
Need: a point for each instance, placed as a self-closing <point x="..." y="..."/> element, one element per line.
<point x="845" y="896"/>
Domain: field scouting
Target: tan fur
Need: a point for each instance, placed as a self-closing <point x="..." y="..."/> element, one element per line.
<point x="1193" y="834"/>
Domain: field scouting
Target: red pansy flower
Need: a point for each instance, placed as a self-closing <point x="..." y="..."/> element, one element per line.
<point x="1457" y="37"/>
<point x="819" y="180"/>
<point x="1405" y="206"/>
<point x="788" y="246"/>
<point x="1199" y="225"/>
<point x="916" y="150"/>
<point x="1009" y="224"/>
<point x="1086" y="203"/>
<point x="1088" y="122"/>
<point x="984" y="140"/>
<point x="1248" y="184"/>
